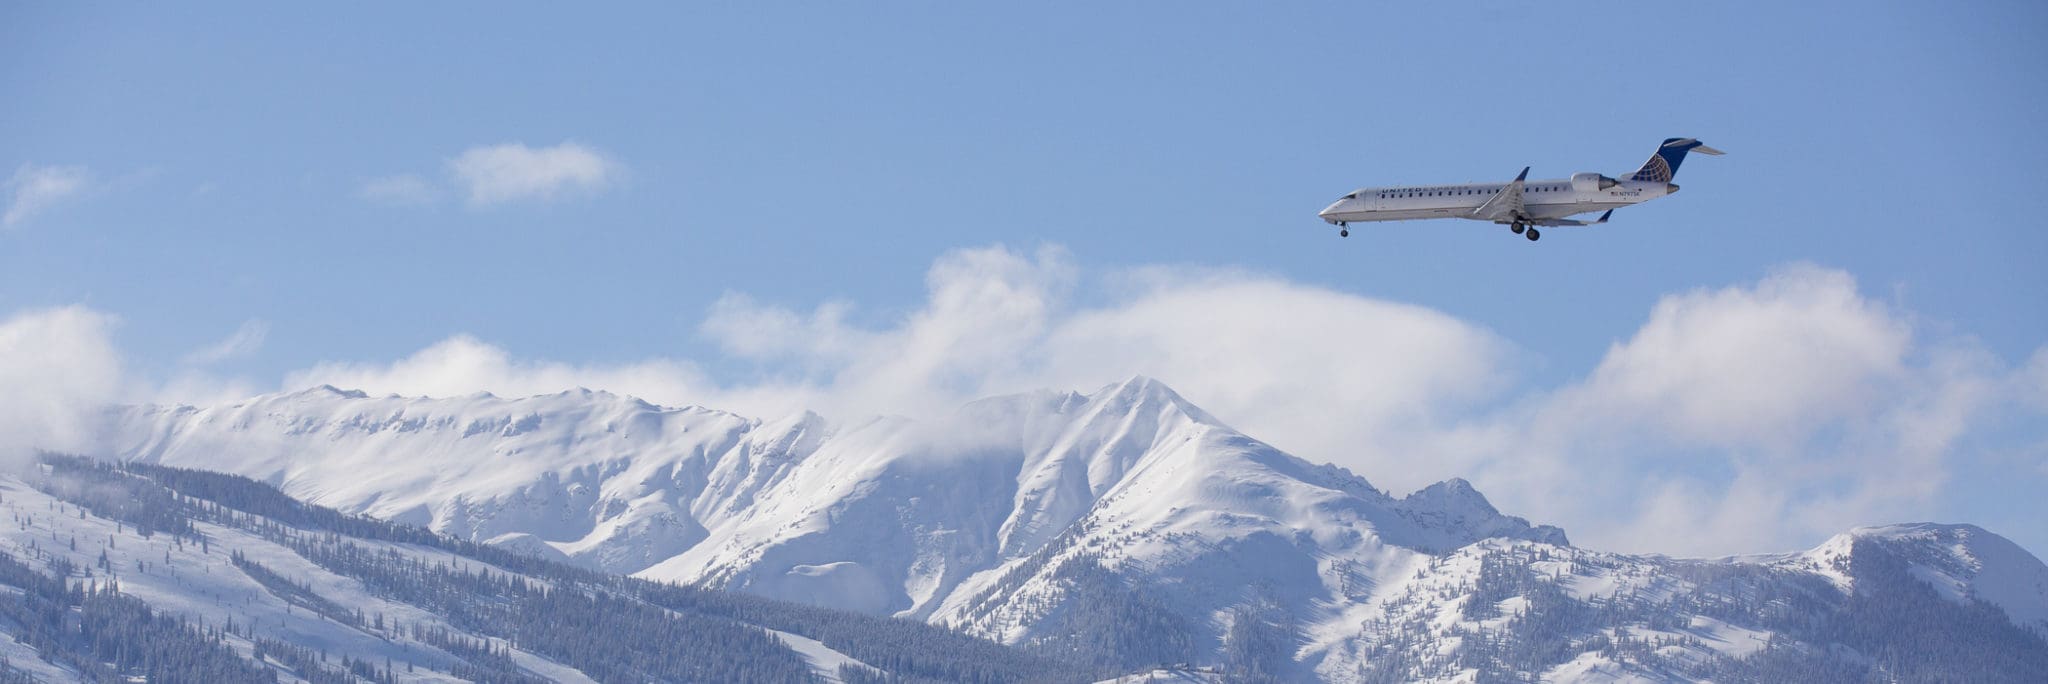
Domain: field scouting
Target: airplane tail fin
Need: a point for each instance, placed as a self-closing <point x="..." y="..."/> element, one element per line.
<point x="1664" y="164"/>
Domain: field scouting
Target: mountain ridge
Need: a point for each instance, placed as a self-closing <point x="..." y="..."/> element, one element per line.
<point x="1043" y="519"/>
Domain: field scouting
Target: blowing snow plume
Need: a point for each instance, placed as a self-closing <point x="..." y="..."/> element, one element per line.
<point x="58" y="372"/>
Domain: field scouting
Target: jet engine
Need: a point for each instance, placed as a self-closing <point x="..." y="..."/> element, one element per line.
<point x="1592" y="182"/>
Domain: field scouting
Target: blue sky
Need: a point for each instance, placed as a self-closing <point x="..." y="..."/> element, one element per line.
<point x="210" y="170"/>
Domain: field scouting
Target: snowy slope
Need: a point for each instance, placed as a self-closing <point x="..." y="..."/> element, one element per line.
<point x="202" y="585"/>
<point x="612" y="482"/>
<point x="1963" y="563"/>
<point x="1569" y="614"/>
<point x="235" y="582"/>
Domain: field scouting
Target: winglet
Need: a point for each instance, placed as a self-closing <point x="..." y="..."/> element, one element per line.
<point x="1603" y="217"/>
<point x="1524" y="175"/>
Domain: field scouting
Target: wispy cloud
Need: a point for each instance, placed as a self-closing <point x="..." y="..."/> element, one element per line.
<point x="405" y="189"/>
<point x="37" y="188"/>
<point x="496" y="174"/>
<point x="245" y="340"/>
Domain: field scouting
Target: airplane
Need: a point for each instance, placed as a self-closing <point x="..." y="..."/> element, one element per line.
<point x="1521" y="204"/>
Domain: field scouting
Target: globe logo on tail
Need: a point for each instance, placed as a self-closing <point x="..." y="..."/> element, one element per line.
<point x="1656" y="171"/>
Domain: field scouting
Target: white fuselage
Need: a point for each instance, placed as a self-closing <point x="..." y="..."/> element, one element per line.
<point x="1541" y="199"/>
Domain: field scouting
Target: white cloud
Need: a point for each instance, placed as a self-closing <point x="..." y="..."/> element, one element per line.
<point x="512" y="171"/>
<point x="1324" y="374"/>
<point x="1273" y="357"/>
<point x="463" y="365"/>
<point x="1742" y="419"/>
<point x="984" y="313"/>
<point x="2032" y="380"/>
<point x="404" y="189"/>
<point x="37" y="188"/>
<point x="1760" y="416"/>
<point x="193" y="386"/>
<point x="1277" y="359"/>
<point x="1748" y="366"/>
<point x="1751" y="417"/>
<point x="245" y="340"/>
<point x="59" y="367"/>
<point x="747" y="330"/>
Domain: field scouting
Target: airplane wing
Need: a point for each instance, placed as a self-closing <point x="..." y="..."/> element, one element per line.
<point x="1569" y="222"/>
<point x="1506" y="205"/>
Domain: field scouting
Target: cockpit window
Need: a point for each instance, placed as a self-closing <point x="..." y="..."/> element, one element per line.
<point x="1351" y="196"/>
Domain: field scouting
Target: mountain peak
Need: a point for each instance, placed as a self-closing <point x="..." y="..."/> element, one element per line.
<point x="1136" y="386"/>
<point x="325" y="390"/>
<point x="1452" y="495"/>
<point x="1141" y="390"/>
<point x="1456" y="504"/>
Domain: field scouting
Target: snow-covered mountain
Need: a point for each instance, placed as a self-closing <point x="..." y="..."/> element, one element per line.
<point x="145" y="573"/>
<point x="1126" y="528"/>
<point x="889" y="516"/>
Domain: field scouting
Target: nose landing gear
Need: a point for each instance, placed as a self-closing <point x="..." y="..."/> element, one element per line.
<point x="1343" y="230"/>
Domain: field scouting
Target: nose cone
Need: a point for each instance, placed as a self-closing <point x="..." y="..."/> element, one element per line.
<point x="1329" y="213"/>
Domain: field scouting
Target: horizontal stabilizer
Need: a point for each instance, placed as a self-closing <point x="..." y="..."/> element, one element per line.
<point x="1547" y="223"/>
<point x="1664" y="164"/>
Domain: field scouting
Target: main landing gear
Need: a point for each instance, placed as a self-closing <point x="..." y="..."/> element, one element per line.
<point x="1526" y="230"/>
<point x="1343" y="230"/>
